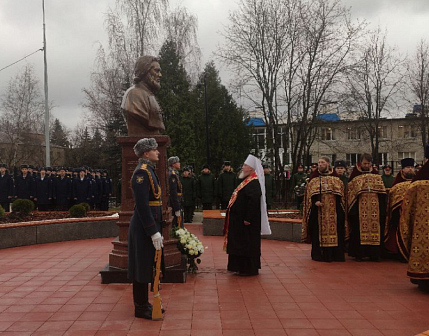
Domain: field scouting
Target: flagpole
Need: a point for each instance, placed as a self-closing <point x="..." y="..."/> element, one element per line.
<point x="47" y="141"/>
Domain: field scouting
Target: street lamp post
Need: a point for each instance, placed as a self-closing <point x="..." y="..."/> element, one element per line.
<point x="207" y="120"/>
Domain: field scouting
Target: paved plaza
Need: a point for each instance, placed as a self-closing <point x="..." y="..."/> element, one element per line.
<point x="55" y="289"/>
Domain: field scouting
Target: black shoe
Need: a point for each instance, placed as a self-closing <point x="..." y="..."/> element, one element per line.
<point x="143" y="313"/>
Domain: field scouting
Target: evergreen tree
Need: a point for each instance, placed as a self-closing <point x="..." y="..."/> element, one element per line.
<point x="229" y="135"/>
<point x="58" y="135"/>
<point x="175" y="100"/>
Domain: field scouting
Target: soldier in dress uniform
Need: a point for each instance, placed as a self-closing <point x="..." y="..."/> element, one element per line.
<point x="226" y="184"/>
<point x="6" y="188"/>
<point x="99" y="189"/>
<point x="144" y="236"/>
<point x="175" y="188"/>
<point x="81" y="188"/>
<point x="63" y="191"/>
<point x="24" y="188"/>
<point x="43" y="191"/>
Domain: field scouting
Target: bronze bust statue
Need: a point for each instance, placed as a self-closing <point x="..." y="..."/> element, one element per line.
<point x="139" y="106"/>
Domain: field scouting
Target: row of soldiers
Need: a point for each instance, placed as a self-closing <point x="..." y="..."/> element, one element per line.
<point x="368" y="215"/>
<point x="185" y="188"/>
<point x="56" y="189"/>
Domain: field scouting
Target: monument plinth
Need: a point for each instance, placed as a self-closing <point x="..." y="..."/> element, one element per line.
<point x="116" y="270"/>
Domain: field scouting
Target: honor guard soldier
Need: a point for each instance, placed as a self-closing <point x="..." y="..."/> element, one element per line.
<point x="144" y="236"/>
<point x="175" y="188"/>
<point x="24" y="187"/>
<point x="6" y="188"/>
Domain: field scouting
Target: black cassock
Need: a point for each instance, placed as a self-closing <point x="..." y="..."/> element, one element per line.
<point x="244" y="241"/>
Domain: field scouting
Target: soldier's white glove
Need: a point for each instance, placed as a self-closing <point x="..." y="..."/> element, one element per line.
<point x="157" y="241"/>
<point x="177" y="213"/>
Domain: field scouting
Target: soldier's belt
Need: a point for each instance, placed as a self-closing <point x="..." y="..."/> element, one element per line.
<point x="155" y="203"/>
<point x="179" y="194"/>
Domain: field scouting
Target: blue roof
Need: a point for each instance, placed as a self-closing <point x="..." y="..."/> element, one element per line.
<point x="329" y="117"/>
<point x="256" y="122"/>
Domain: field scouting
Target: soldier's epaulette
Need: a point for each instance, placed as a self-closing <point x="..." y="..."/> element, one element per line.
<point x="143" y="166"/>
<point x="173" y="172"/>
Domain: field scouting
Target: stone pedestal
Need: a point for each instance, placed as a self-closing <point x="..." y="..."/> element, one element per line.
<point x="116" y="270"/>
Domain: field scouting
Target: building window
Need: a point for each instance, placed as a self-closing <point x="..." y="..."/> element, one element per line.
<point x="327" y="133"/>
<point x="382" y="159"/>
<point x="353" y="133"/>
<point x="259" y="138"/>
<point x="382" y="132"/>
<point x="283" y="136"/>
<point x="404" y="155"/>
<point x="353" y="158"/>
<point x="407" y="131"/>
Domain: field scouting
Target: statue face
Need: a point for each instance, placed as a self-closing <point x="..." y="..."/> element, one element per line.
<point x="153" y="78"/>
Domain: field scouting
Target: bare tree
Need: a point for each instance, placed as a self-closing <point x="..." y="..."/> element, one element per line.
<point x="181" y="28"/>
<point x="418" y="82"/>
<point x="256" y="49"/>
<point x="329" y="38"/>
<point x="374" y="84"/>
<point x="22" y="110"/>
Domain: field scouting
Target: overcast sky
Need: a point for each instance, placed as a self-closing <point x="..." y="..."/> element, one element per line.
<point x="74" y="29"/>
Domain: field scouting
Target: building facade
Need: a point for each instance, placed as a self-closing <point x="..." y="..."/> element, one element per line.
<point x="346" y="139"/>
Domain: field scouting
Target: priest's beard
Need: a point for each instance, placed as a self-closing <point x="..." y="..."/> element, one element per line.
<point x="409" y="175"/>
<point x="243" y="175"/>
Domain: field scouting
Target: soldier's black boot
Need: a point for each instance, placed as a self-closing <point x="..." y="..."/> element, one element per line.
<point x="143" y="308"/>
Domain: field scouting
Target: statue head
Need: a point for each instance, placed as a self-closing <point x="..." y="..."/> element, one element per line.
<point x="147" y="70"/>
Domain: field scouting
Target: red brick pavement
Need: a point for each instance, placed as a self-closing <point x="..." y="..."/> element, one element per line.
<point x="54" y="289"/>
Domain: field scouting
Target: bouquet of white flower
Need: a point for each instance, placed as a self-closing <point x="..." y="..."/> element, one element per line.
<point x="189" y="245"/>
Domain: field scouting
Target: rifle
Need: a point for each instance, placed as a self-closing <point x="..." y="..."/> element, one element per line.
<point x="157" y="304"/>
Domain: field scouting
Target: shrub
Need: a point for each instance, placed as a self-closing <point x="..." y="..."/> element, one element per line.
<point x="77" y="210"/>
<point x="23" y="206"/>
<point x="1" y="212"/>
<point x="86" y="206"/>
